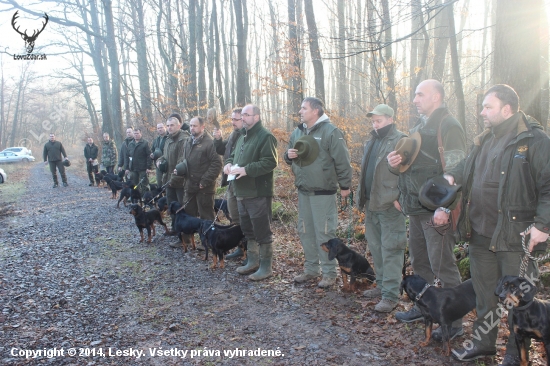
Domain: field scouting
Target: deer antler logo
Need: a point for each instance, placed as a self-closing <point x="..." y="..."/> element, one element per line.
<point x="29" y="40"/>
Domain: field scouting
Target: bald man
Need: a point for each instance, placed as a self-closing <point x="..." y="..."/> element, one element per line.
<point x="431" y="236"/>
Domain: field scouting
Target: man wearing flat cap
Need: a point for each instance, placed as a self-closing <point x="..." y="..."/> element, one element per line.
<point x="320" y="162"/>
<point x="385" y="227"/>
<point x="442" y="143"/>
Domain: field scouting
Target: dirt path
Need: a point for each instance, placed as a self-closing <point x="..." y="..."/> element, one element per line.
<point x="73" y="276"/>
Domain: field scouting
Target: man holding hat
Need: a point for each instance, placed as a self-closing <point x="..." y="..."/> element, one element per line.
<point x="320" y="162"/>
<point x="251" y="164"/>
<point x="437" y="135"/>
<point x="385" y="227"/>
<point x="157" y="148"/>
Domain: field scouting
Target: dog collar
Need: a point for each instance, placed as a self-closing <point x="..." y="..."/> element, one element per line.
<point x="523" y="307"/>
<point x="427" y="286"/>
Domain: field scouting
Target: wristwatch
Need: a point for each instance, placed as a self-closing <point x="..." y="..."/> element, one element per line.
<point x="444" y="209"/>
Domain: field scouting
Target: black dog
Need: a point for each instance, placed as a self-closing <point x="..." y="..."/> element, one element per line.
<point x="221" y="204"/>
<point x="129" y="193"/>
<point x="148" y="199"/>
<point x="114" y="185"/>
<point x="220" y="239"/>
<point x="162" y="204"/>
<point x="439" y="305"/>
<point x="351" y="263"/>
<point x="146" y="220"/>
<point x="184" y="224"/>
<point x="531" y="317"/>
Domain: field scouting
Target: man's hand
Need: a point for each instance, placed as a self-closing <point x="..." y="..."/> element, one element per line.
<point x="126" y="172"/>
<point x="397" y="205"/>
<point x="536" y="237"/>
<point x="201" y="186"/>
<point x="119" y="168"/>
<point x="45" y="163"/>
<point x="440" y="217"/>
<point x="394" y="159"/>
<point x="292" y="153"/>
<point x="148" y="171"/>
<point x="90" y="159"/>
<point x="227" y="168"/>
<point x="175" y="172"/>
<point x="450" y="179"/>
<point x="151" y="155"/>
<point x="239" y="172"/>
<point x="344" y="193"/>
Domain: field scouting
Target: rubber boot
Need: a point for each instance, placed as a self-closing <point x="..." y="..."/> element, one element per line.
<point x="236" y="254"/>
<point x="266" y="259"/>
<point x="253" y="254"/>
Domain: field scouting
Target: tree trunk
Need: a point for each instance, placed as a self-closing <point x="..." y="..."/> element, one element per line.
<point x="517" y="47"/>
<point x="342" y="81"/>
<point x="115" y="71"/>
<point x="314" y="49"/>
<point x="441" y="42"/>
<point x="192" y="108"/>
<point x="389" y="62"/>
<point x="141" y="54"/>
<point x="459" y="92"/>
<point x="242" y="75"/>
<point x="217" y="53"/>
<point x="295" y="91"/>
<point x="202" y="58"/>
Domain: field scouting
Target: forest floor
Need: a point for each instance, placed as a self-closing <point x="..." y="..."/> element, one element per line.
<point x="74" y="278"/>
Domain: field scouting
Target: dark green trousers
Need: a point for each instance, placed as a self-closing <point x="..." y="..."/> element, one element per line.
<point x="59" y="165"/>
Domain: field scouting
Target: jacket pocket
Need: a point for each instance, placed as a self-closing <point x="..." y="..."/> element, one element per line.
<point x="518" y="220"/>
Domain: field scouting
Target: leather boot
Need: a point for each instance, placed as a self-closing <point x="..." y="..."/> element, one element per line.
<point x="266" y="260"/>
<point x="236" y="254"/>
<point x="253" y="254"/>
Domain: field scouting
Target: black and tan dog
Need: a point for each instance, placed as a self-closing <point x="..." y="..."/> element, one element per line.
<point x="129" y="193"/>
<point x="114" y="185"/>
<point x="146" y="220"/>
<point x="351" y="263"/>
<point x="531" y="317"/>
<point x="221" y="239"/>
<point x="439" y="305"/>
<point x="184" y="224"/>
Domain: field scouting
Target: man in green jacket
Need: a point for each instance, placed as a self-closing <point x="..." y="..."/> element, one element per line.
<point x="505" y="188"/>
<point x="171" y="156"/>
<point x="90" y="154"/>
<point x="123" y="156"/>
<point x="225" y="148"/>
<point x="250" y="170"/>
<point x="158" y="143"/>
<point x="108" y="153"/>
<point x="318" y="179"/>
<point x="431" y="237"/>
<point x="139" y="162"/>
<point x="385" y="227"/>
<point x="203" y="168"/>
<point x="52" y="155"/>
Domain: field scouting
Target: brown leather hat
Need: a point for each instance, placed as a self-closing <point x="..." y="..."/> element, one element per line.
<point x="408" y="148"/>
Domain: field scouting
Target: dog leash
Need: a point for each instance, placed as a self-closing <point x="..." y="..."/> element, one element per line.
<point x="161" y="190"/>
<point x="349" y="206"/>
<point x="426" y="287"/>
<point x="185" y="204"/>
<point x="528" y="256"/>
<point x="224" y="199"/>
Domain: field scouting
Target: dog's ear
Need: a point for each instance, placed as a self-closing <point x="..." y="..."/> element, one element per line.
<point x="528" y="290"/>
<point x="332" y="250"/>
<point x="500" y="284"/>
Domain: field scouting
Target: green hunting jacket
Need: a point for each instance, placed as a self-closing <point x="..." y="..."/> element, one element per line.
<point x="524" y="187"/>
<point x="332" y="167"/>
<point x="256" y="151"/>
<point x="140" y="155"/>
<point x="203" y="164"/>
<point x="123" y="156"/>
<point x="428" y="161"/>
<point x="109" y="153"/>
<point x="173" y="154"/>
<point x="53" y="151"/>
<point x="384" y="189"/>
<point x="91" y="151"/>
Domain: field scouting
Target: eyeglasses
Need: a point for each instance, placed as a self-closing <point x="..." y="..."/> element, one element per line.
<point x="247" y="115"/>
<point x="236" y="119"/>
